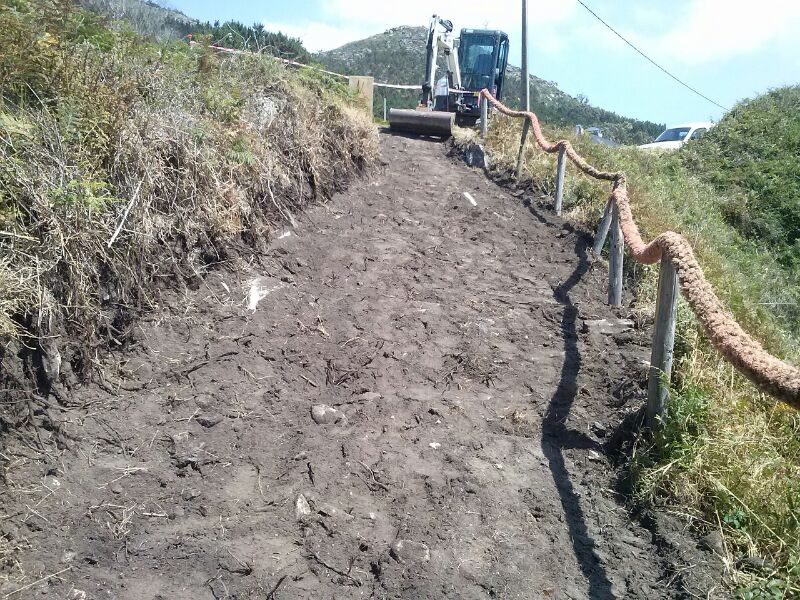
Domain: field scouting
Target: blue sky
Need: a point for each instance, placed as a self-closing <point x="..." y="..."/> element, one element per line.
<point x="728" y="49"/>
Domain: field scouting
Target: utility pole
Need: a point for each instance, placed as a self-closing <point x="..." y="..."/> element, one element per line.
<point x="526" y="87"/>
<point x="525" y="95"/>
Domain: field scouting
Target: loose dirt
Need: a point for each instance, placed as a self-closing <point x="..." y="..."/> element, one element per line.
<point x="475" y="393"/>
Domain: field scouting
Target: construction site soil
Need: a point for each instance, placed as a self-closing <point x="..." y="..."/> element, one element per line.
<point x="416" y="393"/>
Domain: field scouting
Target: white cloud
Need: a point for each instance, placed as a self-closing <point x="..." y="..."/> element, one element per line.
<point x="342" y="21"/>
<point x="711" y="30"/>
<point x="318" y="36"/>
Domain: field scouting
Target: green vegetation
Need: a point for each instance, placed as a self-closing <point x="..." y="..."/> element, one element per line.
<point x="753" y="155"/>
<point x="728" y="456"/>
<point x="126" y="166"/>
<point x="398" y="56"/>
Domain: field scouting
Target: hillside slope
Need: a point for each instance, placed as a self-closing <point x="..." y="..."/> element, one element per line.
<point x="398" y="56"/>
<point x="753" y="155"/>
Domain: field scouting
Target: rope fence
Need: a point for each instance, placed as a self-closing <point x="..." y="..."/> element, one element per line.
<point x="679" y="269"/>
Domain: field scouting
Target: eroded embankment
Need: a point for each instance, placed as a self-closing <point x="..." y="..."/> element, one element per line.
<point x="132" y="169"/>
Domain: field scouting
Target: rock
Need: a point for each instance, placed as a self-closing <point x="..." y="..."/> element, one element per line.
<point x="115" y="488"/>
<point x="607" y="326"/>
<point x="302" y="509"/>
<point x="599" y="429"/>
<point x="324" y="414"/>
<point x="370" y="397"/>
<point x="435" y="445"/>
<point x="204" y="402"/>
<point x="409" y="551"/>
<point x="476" y="157"/>
<point x="209" y="420"/>
<point x="712" y="541"/>
<point x="190" y="494"/>
<point x="755" y="564"/>
<point x="68" y="556"/>
<point x="328" y="510"/>
<point x="176" y="513"/>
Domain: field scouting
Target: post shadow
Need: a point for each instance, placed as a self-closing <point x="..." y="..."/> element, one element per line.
<point x="556" y="437"/>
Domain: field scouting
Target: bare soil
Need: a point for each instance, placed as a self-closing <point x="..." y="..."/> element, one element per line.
<point x="470" y="456"/>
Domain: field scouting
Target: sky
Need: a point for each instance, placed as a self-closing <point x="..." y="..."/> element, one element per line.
<point x="727" y="49"/>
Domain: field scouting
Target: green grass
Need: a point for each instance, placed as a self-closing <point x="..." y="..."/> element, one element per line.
<point x="728" y="456"/>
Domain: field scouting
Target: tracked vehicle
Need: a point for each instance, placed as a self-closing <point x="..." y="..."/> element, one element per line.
<point x="477" y="59"/>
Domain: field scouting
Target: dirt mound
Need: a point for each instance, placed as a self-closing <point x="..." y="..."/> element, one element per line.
<point x="475" y="376"/>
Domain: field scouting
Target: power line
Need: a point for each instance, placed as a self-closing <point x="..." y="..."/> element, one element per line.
<point x="650" y="60"/>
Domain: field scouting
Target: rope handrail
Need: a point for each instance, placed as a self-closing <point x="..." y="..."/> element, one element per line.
<point x="771" y="374"/>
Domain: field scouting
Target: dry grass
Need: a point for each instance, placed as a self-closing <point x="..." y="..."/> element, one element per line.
<point x="131" y="167"/>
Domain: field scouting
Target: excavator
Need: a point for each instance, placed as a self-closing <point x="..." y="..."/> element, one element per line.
<point x="477" y="59"/>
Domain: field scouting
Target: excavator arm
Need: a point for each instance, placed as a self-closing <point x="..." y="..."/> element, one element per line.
<point x="440" y="39"/>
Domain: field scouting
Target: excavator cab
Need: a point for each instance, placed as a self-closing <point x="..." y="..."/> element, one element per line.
<point x="483" y="56"/>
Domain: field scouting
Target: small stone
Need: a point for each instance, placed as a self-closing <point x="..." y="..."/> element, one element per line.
<point x="607" y="326"/>
<point x="595" y="456"/>
<point x="435" y="445"/>
<point x="324" y="414"/>
<point x="190" y="494"/>
<point x="712" y="542"/>
<point x="204" y="402"/>
<point x="599" y="429"/>
<point x="209" y="420"/>
<point x="409" y="551"/>
<point x="302" y="509"/>
<point x="176" y="513"/>
<point x="370" y="397"/>
<point x="755" y="564"/>
<point x="68" y="556"/>
<point x="328" y="510"/>
<point x="115" y="488"/>
<point x="203" y="510"/>
<point x="300" y="455"/>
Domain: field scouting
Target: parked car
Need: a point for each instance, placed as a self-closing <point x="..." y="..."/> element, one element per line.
<point x="596" y="135"/>
<point x="675" y="137"/>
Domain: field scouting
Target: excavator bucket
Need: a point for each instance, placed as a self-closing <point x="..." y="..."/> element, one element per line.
<point x="422" y="122"/>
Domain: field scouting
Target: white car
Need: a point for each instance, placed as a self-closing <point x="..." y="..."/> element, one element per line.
<point x="675" y="137"/>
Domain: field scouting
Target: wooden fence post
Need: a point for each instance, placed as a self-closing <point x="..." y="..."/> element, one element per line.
<point x="615" y="260"/>
<point x="560" y="171"/>
<point x="484" y="116"/>
<point x="525" y="127"/>
<point x="364" y="88"/>
<point x="663" y="342"/>
<point x="602" y="229"/>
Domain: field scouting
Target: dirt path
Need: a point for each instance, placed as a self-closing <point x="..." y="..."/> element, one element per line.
<point x="474" y="393"/>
